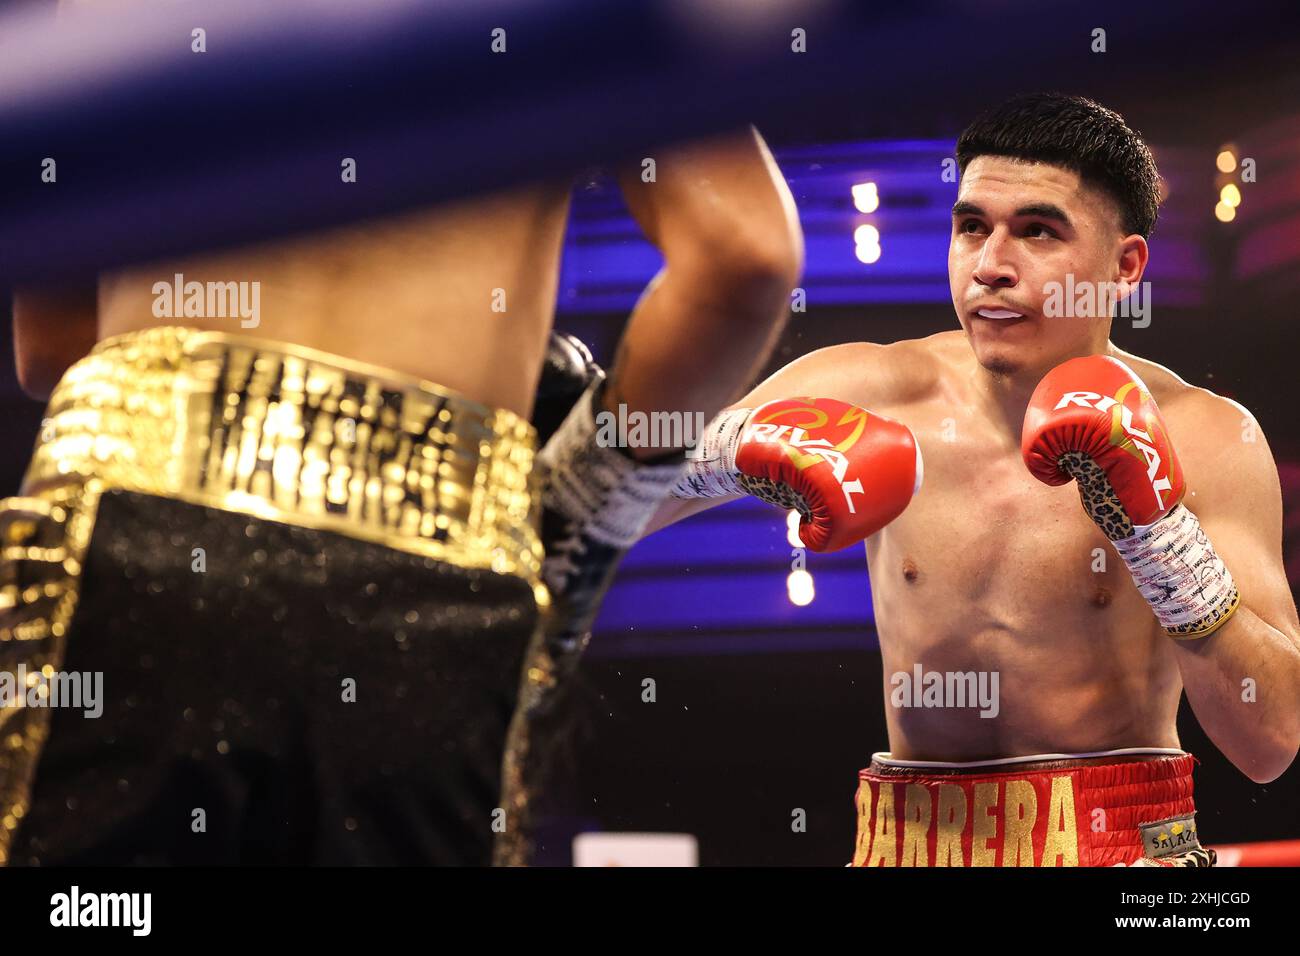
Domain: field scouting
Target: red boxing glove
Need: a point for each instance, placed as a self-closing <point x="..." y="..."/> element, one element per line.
<point x="848" y="472"/>
<point x="1093" y="419"/>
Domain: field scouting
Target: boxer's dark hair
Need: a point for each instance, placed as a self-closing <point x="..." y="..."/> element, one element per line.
<point x="1078" y="134"/>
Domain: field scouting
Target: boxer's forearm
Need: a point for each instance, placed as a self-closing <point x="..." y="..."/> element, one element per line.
<point x="1243" y="684"/>
<point x="675" y="509"/>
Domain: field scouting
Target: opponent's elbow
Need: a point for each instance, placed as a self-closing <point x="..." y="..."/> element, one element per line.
<point x="775" y="256"/>
<point x="768" y="259"/>
<point x="746" y="273"/>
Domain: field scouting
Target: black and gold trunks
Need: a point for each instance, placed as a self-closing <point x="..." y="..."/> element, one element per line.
<point x="305" y="586"/>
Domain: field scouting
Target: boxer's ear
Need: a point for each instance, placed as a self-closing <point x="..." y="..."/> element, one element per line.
<point x="1131" y="263"/>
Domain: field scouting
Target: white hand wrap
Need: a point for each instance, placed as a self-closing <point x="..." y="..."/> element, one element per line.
<point x="1180" y="575"/>
<point x="711" y="467"/>
<point x="610" y="496"/>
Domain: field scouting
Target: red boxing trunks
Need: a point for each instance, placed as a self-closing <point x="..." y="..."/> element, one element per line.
<point x="1125" y="807"/>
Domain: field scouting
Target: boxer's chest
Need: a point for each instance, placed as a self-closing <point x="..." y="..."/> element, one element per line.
<point x="986" y="541"/>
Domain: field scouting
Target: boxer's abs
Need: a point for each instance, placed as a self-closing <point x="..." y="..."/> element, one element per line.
<point x="992" y="574"/>
<point x="462" y="295"/>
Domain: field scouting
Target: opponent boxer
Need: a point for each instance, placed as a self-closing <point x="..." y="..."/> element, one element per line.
<point x="308" y="563"/>
<point x="1095" y="619"/>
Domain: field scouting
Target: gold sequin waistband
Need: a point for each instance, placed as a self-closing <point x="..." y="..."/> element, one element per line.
<point x="297" y="436"/>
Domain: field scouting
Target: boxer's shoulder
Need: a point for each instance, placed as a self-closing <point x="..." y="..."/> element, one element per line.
<point x="928" y="368"/>
<point x="1188" y="407"/>
<point x="876" y="376"/>
<point x="905" y="371"/>
<point x="1165" y="385"/>
<point x="1219" y="441"/>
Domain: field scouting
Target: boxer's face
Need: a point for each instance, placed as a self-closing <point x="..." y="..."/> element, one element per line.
<point x="1019" y="230"/>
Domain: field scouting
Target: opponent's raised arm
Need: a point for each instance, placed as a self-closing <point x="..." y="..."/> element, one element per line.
<point x="722" y="216"/>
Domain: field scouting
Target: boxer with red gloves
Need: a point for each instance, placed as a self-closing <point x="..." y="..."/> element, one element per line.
<point x="1073" y="756"/>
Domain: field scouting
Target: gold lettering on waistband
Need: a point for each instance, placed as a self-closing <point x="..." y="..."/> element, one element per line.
<point x="951" y="823"/>
<point x="301" y="437"/>
<point x="1062" y="832"/>
<point x="884" y="846"/>
<point x="1020" y="811"/>
<point x="863" y="801"/>
<point x="916" y="825"/>
<point x="985" y="825"/>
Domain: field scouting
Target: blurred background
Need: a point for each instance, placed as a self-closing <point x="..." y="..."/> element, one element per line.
<point x="769" y="689"/>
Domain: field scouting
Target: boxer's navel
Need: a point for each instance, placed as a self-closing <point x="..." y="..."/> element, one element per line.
<point x="1101" y="597"/>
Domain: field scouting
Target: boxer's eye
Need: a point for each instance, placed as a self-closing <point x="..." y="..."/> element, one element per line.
<point x="1039" y="231"/>
<point x="969" y="226"/>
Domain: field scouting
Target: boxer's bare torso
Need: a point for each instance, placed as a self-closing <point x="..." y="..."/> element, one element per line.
<point x="990" y="570"/>
<point x="462" y="295"/>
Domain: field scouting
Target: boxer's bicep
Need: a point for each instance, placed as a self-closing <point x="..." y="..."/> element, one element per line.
<point x="1236" y="495"/>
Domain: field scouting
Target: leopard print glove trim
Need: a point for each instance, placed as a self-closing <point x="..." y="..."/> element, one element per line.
<point x="776" y="493"/>
<point x="1098" y="496"/>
